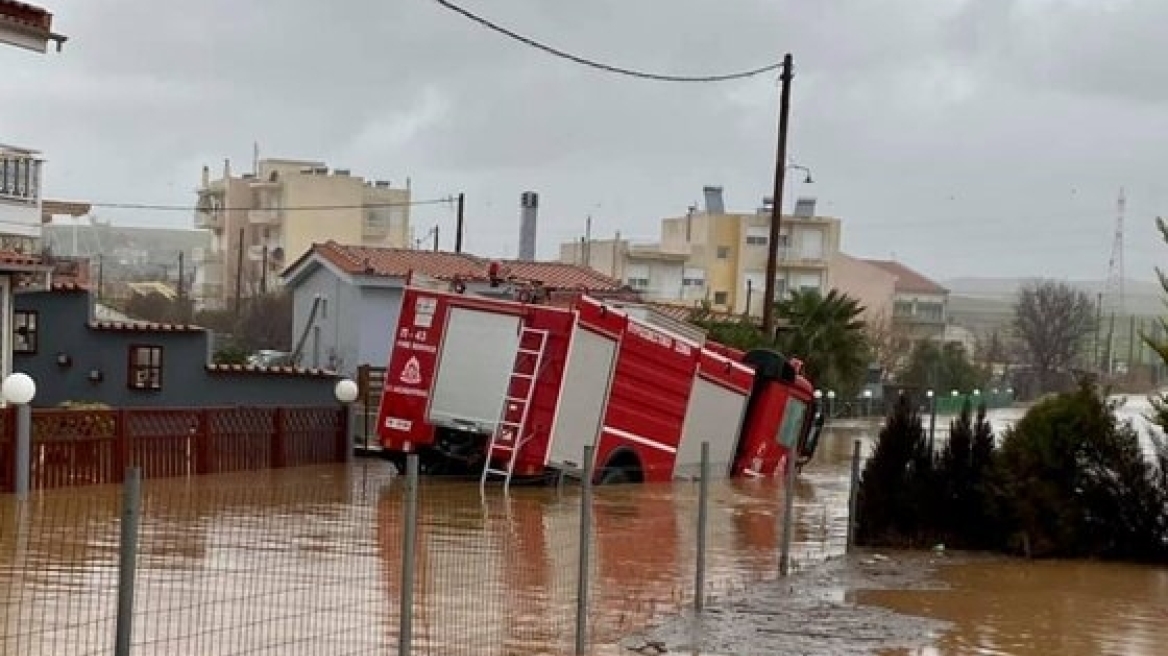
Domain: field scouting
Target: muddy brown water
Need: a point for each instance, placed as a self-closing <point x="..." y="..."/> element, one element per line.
<point x="308" y="561"/>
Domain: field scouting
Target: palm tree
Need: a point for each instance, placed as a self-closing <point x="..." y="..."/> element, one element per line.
<point x="826" y="332"/>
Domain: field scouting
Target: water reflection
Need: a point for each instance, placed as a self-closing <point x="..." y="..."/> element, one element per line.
<point x="308" y="560"/>
<point x="1023" y="608"/>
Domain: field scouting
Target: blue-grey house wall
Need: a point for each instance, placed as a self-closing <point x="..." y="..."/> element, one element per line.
<point x="330" y="341"/>
<point x="64" y="330"/>
<point x="380" y="310"/>
<point x="354" y="322"/>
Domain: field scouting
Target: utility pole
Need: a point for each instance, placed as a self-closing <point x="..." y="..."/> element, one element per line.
<point x="459" y="250"/>
<point x="458" y="228"/>
<point x="772" y="266"/>
<point x="264" y="271"/>
<point x="239" y="274"/>
<point x="181" y="274"/>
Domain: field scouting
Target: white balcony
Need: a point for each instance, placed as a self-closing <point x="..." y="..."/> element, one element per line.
<point x="267" y="216"/>
<point x="20" y="203"/>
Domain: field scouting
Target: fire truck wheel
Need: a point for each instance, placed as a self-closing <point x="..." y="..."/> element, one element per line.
<point x="615" y="476"/>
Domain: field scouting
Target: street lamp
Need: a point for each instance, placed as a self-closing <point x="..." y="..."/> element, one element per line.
<point x="831" y="403"/>
<point x="867" y="402"/>
<point x="19" y="389"/>
<point x="932" y="418"/>
<point x="796" y="167"/>
<point x="346" y="391"/>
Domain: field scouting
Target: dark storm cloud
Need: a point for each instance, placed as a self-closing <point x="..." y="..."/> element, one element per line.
<point x="937" y="130"/>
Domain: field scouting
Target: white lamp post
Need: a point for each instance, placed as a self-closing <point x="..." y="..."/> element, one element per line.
<point x="867" y="402"/>
<point x="19" y="390"/>
<point x="346" y="392"/>
<point x="932" y="396"/>
<point x="831" y="403"/>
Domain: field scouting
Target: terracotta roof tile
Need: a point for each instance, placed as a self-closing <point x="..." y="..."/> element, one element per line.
<point x="144" y="327"/>
<point x="400" y="263"/>
<point x="269" y="371"/>
<point x="908" y="280"/>
<point x="27" y="15"/>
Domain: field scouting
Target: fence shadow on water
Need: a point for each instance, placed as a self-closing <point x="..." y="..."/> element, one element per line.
<point x="309" y="560"/>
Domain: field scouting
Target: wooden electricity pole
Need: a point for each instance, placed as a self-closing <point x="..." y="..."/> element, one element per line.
<point x="772" y="265"/>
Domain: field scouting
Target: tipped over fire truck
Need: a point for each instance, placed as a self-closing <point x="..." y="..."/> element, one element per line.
<point x="513" y="389"/>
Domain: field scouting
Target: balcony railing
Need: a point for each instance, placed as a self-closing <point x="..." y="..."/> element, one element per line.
<point x="267" y="216"/>
<point x="793" y="256"/>
<point x="208" y="219"/>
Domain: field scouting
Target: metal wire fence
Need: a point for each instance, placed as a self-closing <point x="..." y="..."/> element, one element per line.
<point x="314" y="560"/>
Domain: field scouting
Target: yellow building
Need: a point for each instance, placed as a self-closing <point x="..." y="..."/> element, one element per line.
<point x="720" y="256"/>
<point x="272" y="216"/>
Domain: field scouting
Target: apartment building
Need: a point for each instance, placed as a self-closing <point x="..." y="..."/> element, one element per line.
<point x="263" y="220"/>
<point x="28" y="27"/>
<point x="719" y="256"/>
<point x="654" y="273"/>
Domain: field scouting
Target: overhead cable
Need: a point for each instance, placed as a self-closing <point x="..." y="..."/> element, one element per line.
<point x="609" y="68"/>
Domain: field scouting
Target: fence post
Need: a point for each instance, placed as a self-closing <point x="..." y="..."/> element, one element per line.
<point x="128" y="558"/>
<point x="363" y="386"/>
<point x="582" y="574"/>
<point x="409" y="556"/>
<point x="788" y="513"/>
<point x="23" y="450"/>
<point x="853" y="493"/>
<point x="703" y="503"/>
<point x="279" y="446"/>
<point x="203" y="442"/>
<point x="344" y="446"/>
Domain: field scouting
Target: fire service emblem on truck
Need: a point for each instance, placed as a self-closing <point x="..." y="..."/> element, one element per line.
<point x="412" y="373"/>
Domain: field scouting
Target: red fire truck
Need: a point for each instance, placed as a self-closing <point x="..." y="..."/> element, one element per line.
<point x="500" y="388"/>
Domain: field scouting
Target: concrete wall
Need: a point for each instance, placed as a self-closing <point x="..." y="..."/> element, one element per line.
<point x="186" y="381"/>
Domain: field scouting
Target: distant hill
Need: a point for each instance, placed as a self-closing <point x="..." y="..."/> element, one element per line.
<point x="1142" y="298"/>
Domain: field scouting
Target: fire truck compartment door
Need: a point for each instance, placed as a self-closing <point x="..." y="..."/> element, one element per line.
<point x="474" y="369"/>
<point x="584" y="396"/>
<point x="714" y="415"/>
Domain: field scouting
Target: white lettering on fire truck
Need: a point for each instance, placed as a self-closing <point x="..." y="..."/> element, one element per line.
<point x="416" y="346"/>
<point x="650" y="335"/>
<point x="395" y="423"/>
<point x="409" y="391"/>
<point x="424" y="309"/>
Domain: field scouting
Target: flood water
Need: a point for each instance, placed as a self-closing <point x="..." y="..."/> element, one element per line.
<point x="308" y="561"/>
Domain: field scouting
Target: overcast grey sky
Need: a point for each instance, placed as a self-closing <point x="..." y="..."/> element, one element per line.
<point x="967" y="137"/>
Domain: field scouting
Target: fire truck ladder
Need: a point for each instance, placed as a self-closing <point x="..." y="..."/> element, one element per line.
<point x="508" y="433"/>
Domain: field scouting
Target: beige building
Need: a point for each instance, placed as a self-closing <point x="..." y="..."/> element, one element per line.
<point x="899" y="302"/>
<point x="646" y="268"/>
<point x="720" y="256"/>
<point x="272" y="216"/>
<point x="872" y="286"/>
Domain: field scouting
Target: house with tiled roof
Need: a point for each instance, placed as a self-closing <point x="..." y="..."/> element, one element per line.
<point x="27" y="26"/>
<point x="77" y="353"/>
<point x="346" y="298"/>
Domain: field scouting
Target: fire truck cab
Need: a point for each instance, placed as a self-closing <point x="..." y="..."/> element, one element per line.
<point x="497" y="388"/>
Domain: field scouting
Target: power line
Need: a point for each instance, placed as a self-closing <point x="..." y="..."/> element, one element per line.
<point x="660" y="77"/>
<point x="294" y="208"/>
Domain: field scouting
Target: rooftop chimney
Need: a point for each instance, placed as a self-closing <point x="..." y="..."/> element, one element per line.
<point x="529" y="208"/>
<point x="206" y="175"/>
<point x="714" y="203"/>
<point x="226" y="169"/>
